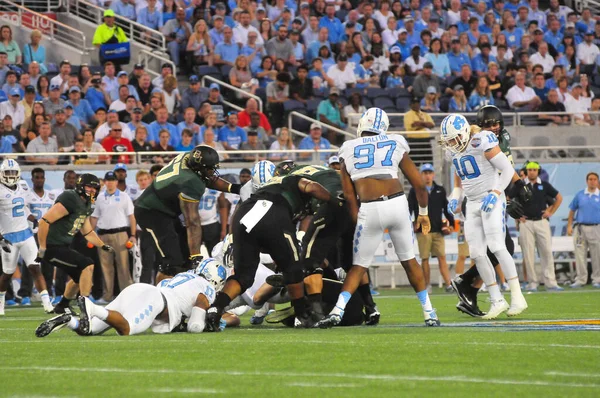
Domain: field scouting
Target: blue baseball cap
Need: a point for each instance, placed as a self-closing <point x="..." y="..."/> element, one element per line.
<point x="194" y="79"/>
<point x="15" y="92"/>
<point x="427" y="167"/>
<point x="215" y="86"/>
<point x="120" y="166"/>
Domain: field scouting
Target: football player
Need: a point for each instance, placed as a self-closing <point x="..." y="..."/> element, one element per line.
<point x="69" y="214"/>
<point x="213" y="207"/>
<point x="140" y="306"/>
<point x="370" y="165"/>
<point x="16" y="238"/>
<point x="177" y="190"/>
<point x="466" y="285"/>
<point x="477" y="157"/>
<point x="262" y="172"/>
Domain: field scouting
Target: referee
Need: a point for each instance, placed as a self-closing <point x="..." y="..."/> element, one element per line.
<point x="113" y="215"/>
<point x="534" y="229"/>
<point x="585" y="210"/>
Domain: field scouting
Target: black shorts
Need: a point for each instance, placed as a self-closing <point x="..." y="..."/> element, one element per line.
<point x="169" y="236"/>
<point x="211" y="235"/>
<point x="274" y="234"/>
<point x="68" y="259"/>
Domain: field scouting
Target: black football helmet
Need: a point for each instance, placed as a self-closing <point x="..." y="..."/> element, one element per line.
<point x="204" y="160"/>
<point x="488" y="116"/>
<point x="87" y="180"/>
<point x="284" y="168"/>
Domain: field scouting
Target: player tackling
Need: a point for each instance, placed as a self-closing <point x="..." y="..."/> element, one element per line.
<point x="477" y="157"/>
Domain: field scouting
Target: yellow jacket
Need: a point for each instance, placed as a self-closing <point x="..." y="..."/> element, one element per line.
<point x="410" y="117"/>
<point x="104" y="33"/>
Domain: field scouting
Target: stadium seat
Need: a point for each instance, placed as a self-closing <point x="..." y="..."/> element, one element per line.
<point x="225" y="69"/>
<point x="292" y="105"/>
<point x="397" y="92"/>
<point x="444" y="103"/>
<point x="262" y="93"/>
<point x="350" y="91"/>
<point x="403" y="104"/>
<point x="541" y="141"/>
<point x="367" y="102"/>
<point x="344" y="101"/>
<point x="299" y="123"/>
<point x="578" y="140"/>
<point x="408" y="80"/>
<point x="383" y="103"/>
<point x="312" y="106"/>
<point x="396" y="122"/>
<point x="205" y="70"/>
<point x="375" y="92"/>
<point x="597" y="80"/>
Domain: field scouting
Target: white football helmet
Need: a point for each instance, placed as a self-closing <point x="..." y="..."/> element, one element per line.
<point x="262" y="172"/>
<point x="213" y="271"/>
<point x="374" y="120"/>
<point x="10" y="172"/>
<point x="455" y="133"/>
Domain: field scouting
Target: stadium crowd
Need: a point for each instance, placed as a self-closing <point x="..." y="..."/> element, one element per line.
<point x="325" y="59"/>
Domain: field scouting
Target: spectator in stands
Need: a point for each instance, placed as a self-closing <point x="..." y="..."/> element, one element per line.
<point x="542" y="57"/>
<point x="522" y="98"/>
<point x="4" y="69"/>
<point x="216" y="33"/>
<point x="314" y="46"/>
<point x="425" y="80"/>
<point x="333" y="24"/>
<point x="458" y="102"/>
<point x="457" y="58"/>
<point x="439" y="60"/>
<point x="255" y="126"/>
<point x="482" y="95"/>
<point x="34" y="52"/>
<point x="252" y="107"/>
<point x="136" y="120"/>
<point x="161" y="123"/>
<point x="10" y="46"/>
<point x="595" y="111"/>
<point x="110" y="80"/>
<point x="415" y="63"/>
<point x="188" y="123"/>
<point x="563" y="89"/>
<point x="227" y="51"/>
<point x="11" y="82"/>
<point x="253" y="144"/>
<point x="354" y="106"/>
<point x="171" y="96"/>
<point x="115" y="142"/>
<point x="217" y="106"/>
<point x="13" y="107"/>
<point x="136" y="75"/>
<point x="65" y="133"/>
<point x="231" y="135"/>
<point x="394" y="79"/>
<point x="551" y="104"/>
<point x="103" y="130"/>
<point x="301" y="88"/>
<point x="11" y="135"/>
<point x="281" y="47"/>
<point x="124" y="8"/>
<point x="28" y="100"/>
<point x="329" y="112"/>
<point x="81" y="107"/>
<point x="187" y="141"/>
<point x="150" y="16"/>
<point x="343" y="76"/>
<point x="243" y="29"/>
<point x="278" y="92"/>
<point x="119" y="104"/>
<point x="481" y="61"/>
<point x="123" y="80"/>
<point x="108" y="32"/>
<point x="430" y="102"/>
<point x="164" y="137"/>
<point x="586" y="92"/>
<point x="569" y="62"/>
<point x="177" y="33"/>
<point x="240" y="76"/>
<point x="125" y="115"/>
<point x="192" y="97"/>
<point x="577" y="106"/>
<point x="539" y="86"/>
<point x="253" y="51"/>
<point x="145" y="90"/>
<point x="200" y="45"/>
<point x="140" y="144"/>
<point x="168" y="10"/>
<point x="283" y="142"/>
<point x="315" y="141"/>
<point x="43" y="144"/>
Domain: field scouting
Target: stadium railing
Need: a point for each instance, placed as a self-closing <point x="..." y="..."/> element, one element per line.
<point x="55" y="31"/>
<point x="41" y="5"/>
<point x="212" y="79"/>
<point x="139" y="34"/>
<point x="146" y="57"/>
<point x="311" y="120"/>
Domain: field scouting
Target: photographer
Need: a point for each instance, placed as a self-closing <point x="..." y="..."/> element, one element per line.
<point x="96" y="95"/>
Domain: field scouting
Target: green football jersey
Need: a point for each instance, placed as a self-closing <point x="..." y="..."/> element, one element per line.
<point x="62" y="231"/>
<point x="504" y="144"/>
<point x="329" y="178"/>
<point x="173" y="180"/>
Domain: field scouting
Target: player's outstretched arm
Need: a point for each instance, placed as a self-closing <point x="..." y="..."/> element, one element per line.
<point x="349" y="192"/>
<point x="189" y="209"/>
<point x="410" y="171"/>
<point x="225" y="186"/>
<point x="197" y="319"/>
<point x="55" y="213"/>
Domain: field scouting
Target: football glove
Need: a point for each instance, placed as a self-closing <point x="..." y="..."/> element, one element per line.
<point x="514" y="209"/>
<point x="107" y="248"/>
<point x="40" y="255"/>
<point x="489" y="202"/>
<point x="5" y="244"/>
<point x="453" y="206"/>
<point x="193" y="261"/>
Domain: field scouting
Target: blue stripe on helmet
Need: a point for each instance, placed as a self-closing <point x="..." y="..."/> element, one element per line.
<point x="377" y="121"/>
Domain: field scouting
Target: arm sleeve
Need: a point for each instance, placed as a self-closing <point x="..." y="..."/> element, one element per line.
<point x="449" y="216"/>
<point x="501" y="163"/>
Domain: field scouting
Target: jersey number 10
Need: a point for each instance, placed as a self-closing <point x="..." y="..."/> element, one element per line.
<point x="368" y="151"/>
<point x="463" y="170"/>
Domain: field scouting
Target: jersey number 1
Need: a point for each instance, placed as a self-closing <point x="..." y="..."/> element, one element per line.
<point x="368" y="151"/>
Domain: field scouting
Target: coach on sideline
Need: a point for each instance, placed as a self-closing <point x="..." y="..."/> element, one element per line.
<point x="114" y="218"/>
<point x="585" y="209"/>
<point x="432" y="244"/>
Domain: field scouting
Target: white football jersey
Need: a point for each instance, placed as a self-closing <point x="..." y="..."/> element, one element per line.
<point x="477" y="175"/>
<point x="246" y="191"/>
<point x="38" y="206"/>
<point x="208" y="207"/>
<point x="234" y="199"/>
<point x="13" y="208"/>
<point x="181" y="293"/>
<point x="376" y="156"/>
<point x="134" y="192"/>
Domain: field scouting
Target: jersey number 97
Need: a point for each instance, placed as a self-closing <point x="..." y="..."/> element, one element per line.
<point x="368" y="151"/>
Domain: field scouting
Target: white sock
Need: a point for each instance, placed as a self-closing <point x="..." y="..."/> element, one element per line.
<point x="507" y="263"/>
<point x="2" y="294"/>
<point x="100" y="312"/>
<point x="45" y="297"/>
<point x="495" y="293"/>
<point x="340" y="306"/>
<point x="73" y="323"/>
<point x="515" y="289"/>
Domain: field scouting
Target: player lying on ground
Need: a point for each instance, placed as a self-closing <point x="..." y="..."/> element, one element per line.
<point x="16" y="238"/>
<point x="370" y="165"/>
<point x="140" y="306"/>
<point x="477" y="157"/>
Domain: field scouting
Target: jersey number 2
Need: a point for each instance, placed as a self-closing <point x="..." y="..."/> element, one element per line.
<point x="463" y="171"/>
<point x="19" y="206"/>
<point x="368" y="151"/>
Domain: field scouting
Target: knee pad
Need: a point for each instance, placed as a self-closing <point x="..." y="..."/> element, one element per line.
<point x="477" y="251"/>
<point x="311" y="268"/>
<point x="496" y="245"/>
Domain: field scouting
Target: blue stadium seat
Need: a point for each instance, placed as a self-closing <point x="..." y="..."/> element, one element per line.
<point x="408" y="80"/>
<point x="299" y="123"/>
<point x="444" y="102"/>
<point x="375" y="92"/>
<point x="403" y="104"/>
<point x="205" y="70"/>
<point x="262" y="93"/>
<point x="397" y="92"/>
<point x="343" y="100"/>
<point x="397" y="122"/>
<point x="312" y="105"/>
<point x="225" y="71"/>
<point x="367" y="102"/>
<point x="350" y="91"/>
<point x="292" y="105"/>
<point x="383" y="103"/>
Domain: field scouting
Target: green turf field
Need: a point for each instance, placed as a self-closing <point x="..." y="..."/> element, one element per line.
<point x="398" y="358"/>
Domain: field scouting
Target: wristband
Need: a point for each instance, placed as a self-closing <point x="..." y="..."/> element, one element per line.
<point x="423" y="211"/>
<point x="235" y="188"/>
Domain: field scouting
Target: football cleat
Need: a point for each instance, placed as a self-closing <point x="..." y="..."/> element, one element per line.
<point x="279" y="315"/>
<point x="473" y="311"/>
<point x="467" y="296"/>
<point x="517" y="306"/>
<point x="431" y="318"/>
<point x="372" y="316"/>
<point x="576" y="285"/>
<point x="56" y="300"/>
<point x="26" y="301"/>
<point x="259" y="315"/>
<point x="497" y="308"/>
<point x="11" y="303"/>
<point x="304" y="322"/>
<point x="213" y="320"/>
<point x="52" y="325"/>
<point x="275" y="280"/>
<point x="330" y="321"/>
<point x="85" y="316"/>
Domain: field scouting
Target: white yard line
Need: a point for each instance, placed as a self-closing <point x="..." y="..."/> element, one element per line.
<point x="303" y="375"/>
<point x="319" y="385"/>
<point x="569" y="374"/>
<point x="187" y="390"/>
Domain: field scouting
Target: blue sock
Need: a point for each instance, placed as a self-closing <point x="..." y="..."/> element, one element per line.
<point x="342" y="300"/>
<point x="424" y="299"/>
